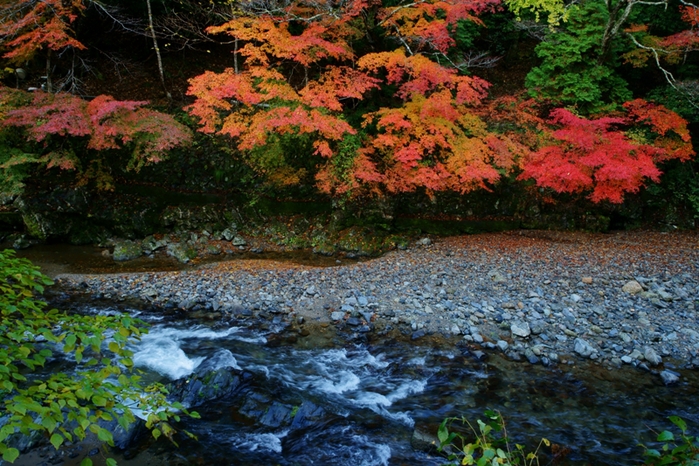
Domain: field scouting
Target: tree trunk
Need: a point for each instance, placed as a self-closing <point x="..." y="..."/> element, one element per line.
<point x="49" y="85"/>
<point x="157" y="49"/>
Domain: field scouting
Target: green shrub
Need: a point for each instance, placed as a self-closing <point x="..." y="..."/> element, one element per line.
<point x="62" y="406"/>
<point x="487" y="444"/>
<point x="674" y="451"/>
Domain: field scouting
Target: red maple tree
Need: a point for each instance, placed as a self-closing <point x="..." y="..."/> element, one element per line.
<point x="598" y="156"/>
<point x="104" y="123"/>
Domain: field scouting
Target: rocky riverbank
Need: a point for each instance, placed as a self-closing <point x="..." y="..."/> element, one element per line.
<point x="548" y="298"/>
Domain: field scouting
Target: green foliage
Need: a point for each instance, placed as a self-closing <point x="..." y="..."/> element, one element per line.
<point x="487" y="444"/>
<point x="61" y="406"/>
<point x="572" y="72"/>
<point x="677" y="193"/>
<point x="674" y="451"/>
<point x="554" y="10"/>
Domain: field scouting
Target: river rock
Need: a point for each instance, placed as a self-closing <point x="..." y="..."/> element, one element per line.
<point x="239" y="241"/>
<point x="669" y="377"/>
<point x="583" y="348"/>
<point x="181" y="251"/>
<point x="632" y="287"/>
<point x="276" y="415"/>
<point x="228" y="234"/>
<point x="424" y="441"/>
<point x="126" y="250"/>
<point x="213" y="249"/>
<point x="216" y="378"/>
<point x="496" y="276"/>
<point x="520" y="329"/>
<point x="652" y="357"/>
<point x="306" y="415"/>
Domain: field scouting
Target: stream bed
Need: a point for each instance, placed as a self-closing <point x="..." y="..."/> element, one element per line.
<point x="339" y="403"/>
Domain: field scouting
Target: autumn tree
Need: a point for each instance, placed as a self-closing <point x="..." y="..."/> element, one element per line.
<point x="31" y="27"/>
<point x="67" y="132"/>
<point x="312" y="68"/>
<point x="610" y="156"/>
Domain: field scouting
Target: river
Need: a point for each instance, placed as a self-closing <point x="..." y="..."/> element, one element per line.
<point x="331" y="402"/>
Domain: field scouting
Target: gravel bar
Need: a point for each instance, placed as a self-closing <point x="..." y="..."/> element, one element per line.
<point x="626" y="298"/>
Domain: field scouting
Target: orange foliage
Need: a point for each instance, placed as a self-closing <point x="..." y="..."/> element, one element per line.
<point x="30" y="26"/>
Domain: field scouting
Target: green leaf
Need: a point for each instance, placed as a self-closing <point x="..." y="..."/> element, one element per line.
<point x="111" y="462"/>
<point x="56" y="440"/>
<point x="86" y="462"/>
<point x="156" y="433"/>
<point x="99" y="401"/>
<point x="105" y="436"/>
<point x="665" y="436"/>
<point x="10" y="455"/>
<point x="679" y="422"/>
<point x="442" y="433"/>
<point x="49" y="424"/>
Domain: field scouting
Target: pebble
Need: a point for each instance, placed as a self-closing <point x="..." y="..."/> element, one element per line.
<point x="629" y="297"/>
<point x="520" y="329"/>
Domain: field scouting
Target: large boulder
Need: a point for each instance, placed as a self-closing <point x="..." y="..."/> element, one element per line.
<point x="215" y="378"/>
<point x="181" y="251"/>
<point x="127" y="250"/>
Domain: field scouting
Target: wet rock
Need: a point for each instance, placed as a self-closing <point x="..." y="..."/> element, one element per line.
<point x="418" y="334"/>
<point x="354" y="322"/>
<point x="307" y="415"/>
<point x="669" y="377"/>
<point x="126" y="250"/>
<point x="21" y="242"/>
<point x="217" y="377"/>
<point x="276" y="415"/>
<point x="651" y="356"/>
<point x="424" y="441"/>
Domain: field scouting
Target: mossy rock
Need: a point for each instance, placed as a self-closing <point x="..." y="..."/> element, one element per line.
<point x="45" y="225"/>
<point x="126" y="250"/>
<point x="83" y="232"/>
<point x="192" y="217"/>
<point x="182" y="252"/>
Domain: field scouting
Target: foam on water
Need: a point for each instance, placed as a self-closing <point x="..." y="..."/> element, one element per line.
<point x="347" y="381"/>
<point x="259" y="442"/>
<point x="203" y="333"/>
<point x="164" y="356"/>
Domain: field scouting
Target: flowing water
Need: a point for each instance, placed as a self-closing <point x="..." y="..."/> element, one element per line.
<point x="361" y="404"/>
